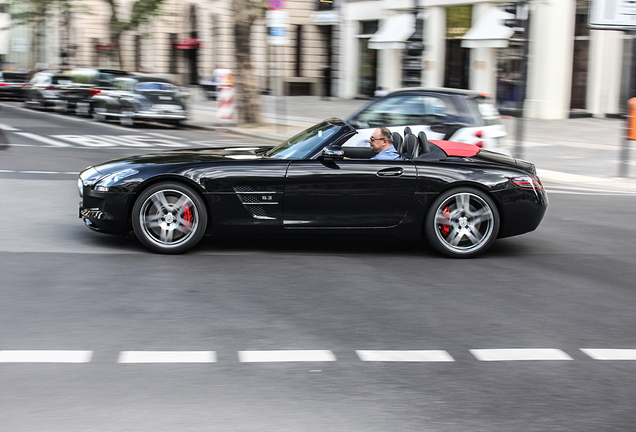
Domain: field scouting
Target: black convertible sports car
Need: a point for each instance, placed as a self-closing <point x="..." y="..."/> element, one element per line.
<point x="461" y="198"/>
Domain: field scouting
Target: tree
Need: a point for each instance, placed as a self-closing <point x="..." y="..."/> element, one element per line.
<point x="247" y="92"/>
<point x="143" y="12"/>
<point x="35" y="13"/>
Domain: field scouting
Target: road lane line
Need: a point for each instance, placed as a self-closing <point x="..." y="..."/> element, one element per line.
<point x="519" y="354"/>
<point x="286" y="356"/>
<point x="167" y="357"/>
<point x="405" y="356"/>
<point x="7" y="127"/>
<point x="42" y="139"/>
<point x="160" y="135"/>
<point x="45" y="356"/>
<point x="610" y="354"/>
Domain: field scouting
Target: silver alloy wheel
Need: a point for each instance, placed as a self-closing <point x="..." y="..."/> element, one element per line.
<point x="169" y="219"/>
<point x="464" y="224"/>
<point x="126" y="117"/>
<point x="99" y="113"/>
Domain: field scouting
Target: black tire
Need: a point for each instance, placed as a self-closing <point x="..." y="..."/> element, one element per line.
<point x="462" y="222"/>
<point x="169" y="218"/>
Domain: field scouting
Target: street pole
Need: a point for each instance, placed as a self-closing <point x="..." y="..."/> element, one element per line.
<point x="623" y="160"/>
<point x="522" y="8"/>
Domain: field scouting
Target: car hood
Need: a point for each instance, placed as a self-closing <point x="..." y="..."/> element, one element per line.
<point x="178" y="157"/>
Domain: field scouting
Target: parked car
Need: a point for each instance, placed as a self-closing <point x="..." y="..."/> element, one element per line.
<point x="459" y="196"/>
<point x="11" y="84"/>
<point x="443" y="114"/>
<point x="140" y="98"/>
<point x="87" y="82"/>
<point x="44" y="88"/>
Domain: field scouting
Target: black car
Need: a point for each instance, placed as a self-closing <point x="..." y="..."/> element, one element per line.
<point x="460" y="197"/>
<point x="140" y="98"/>
<point x="44" y="88"/>
<point x="87" y="82"/>
<point x="11" y="84"/>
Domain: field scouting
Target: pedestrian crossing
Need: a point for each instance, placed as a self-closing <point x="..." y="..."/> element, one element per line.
<point x="316" y="356"/>
<point x="150" y="140"/>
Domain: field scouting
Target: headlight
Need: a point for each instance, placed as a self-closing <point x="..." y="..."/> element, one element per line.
<point x="111" y="179"/>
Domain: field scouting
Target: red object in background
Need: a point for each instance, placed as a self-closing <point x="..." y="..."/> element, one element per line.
<point x="187" y="44"/>
<point x="631" y="119"/>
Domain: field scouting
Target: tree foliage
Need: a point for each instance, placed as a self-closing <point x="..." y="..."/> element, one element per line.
<point x="143" y="12"/>
<point x="34" y="14"/>
<point x="247" y="91"/>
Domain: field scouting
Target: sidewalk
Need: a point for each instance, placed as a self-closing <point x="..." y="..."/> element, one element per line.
<point x="578" y="154"/>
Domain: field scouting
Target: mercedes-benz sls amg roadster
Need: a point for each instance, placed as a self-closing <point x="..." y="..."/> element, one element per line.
<point x="457" y="196"/>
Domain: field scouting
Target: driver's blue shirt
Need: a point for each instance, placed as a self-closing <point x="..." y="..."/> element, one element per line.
<point x="388" y="153"/>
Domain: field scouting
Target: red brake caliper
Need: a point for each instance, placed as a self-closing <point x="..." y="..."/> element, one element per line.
<point x="187" y="216"/>
<point x="445" y="228"/>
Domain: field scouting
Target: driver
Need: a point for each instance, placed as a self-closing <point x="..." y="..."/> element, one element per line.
<point x="381" y="142"/>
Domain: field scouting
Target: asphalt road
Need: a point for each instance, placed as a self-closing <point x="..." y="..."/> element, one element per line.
<point x="101" y="335"/>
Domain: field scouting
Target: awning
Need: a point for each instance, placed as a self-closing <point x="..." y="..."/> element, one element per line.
<point x="187" y="44"/>
<point x="394" y="32"/>
<point x="489" y="31"/>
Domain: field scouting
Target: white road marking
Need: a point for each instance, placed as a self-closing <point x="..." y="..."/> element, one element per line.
<point x="519" y="354"/>
<point x="45" y="356"/>
<point x="7" y="127"/>
<point x="610" y="354"/>
<point x="405" y="356"/>
<point x="160" y="135"/>
<point x="286" y="356"/>
<point x="42" y="139"/>
<point x="167" y="357"/>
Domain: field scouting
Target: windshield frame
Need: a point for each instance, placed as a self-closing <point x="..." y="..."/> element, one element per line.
<point x="309" y="143"/>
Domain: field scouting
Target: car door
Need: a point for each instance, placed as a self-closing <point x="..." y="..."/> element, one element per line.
<point x="347" y="193"/>
<point x="418" y="111"/>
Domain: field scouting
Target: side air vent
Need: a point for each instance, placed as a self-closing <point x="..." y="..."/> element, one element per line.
<point x="258" y="203"/>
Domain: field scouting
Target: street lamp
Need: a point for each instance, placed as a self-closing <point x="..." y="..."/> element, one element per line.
<point x="412" y="63"/>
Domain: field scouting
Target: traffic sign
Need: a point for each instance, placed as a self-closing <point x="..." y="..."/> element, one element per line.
<point x="276" y="4"/>
<point x="612" y="15"/>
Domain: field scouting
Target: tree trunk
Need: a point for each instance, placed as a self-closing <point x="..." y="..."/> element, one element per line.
<point x="247" y="91"/>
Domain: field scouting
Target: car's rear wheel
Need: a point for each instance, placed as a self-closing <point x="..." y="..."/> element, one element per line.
<point x="169" y="218"/>
<point x="462" y="222"/>
<point x="99" y="112"/>
<point x="126" y="116"/>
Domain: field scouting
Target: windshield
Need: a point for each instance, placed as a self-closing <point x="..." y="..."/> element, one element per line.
<point x="305" y="143"/>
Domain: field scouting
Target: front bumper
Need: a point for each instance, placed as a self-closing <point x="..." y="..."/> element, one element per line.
<point x="106" y="212"/>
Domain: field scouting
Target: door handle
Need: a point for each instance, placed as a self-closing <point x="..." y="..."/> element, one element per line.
<point x="390" y="172"/>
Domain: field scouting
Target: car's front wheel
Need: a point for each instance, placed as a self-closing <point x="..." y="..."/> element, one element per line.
<point x="169" y="218"/>
<point x="462" y="222"/>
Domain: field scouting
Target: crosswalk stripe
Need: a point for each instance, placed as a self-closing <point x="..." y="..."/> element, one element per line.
<point x="167" y="357"/>
<point x="519" y="354"/>
<point x="7" y="127"/>
<point x="404" y="356"/>
<point x="610" y="354"/>
<point x="286" y="356"/>
<point x="42" y="139"/>
<point x="45" y="356"/>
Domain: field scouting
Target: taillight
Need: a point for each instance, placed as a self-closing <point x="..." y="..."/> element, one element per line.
<point x="4" y="85"/>
<point x="527" y="182"/>
<point x="50" y="88"/>
<point x="93" y="92"/>
<point x="479" y="134"/>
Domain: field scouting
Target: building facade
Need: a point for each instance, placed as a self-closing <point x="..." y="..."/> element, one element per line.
<point x="349" y="48"/>
<point x="571" y="69"/>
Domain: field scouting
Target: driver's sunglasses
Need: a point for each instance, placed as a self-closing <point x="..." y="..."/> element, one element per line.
<point x="375" y="139"/>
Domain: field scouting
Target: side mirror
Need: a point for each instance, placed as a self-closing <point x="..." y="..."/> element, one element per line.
<point x="332" y="152"/>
